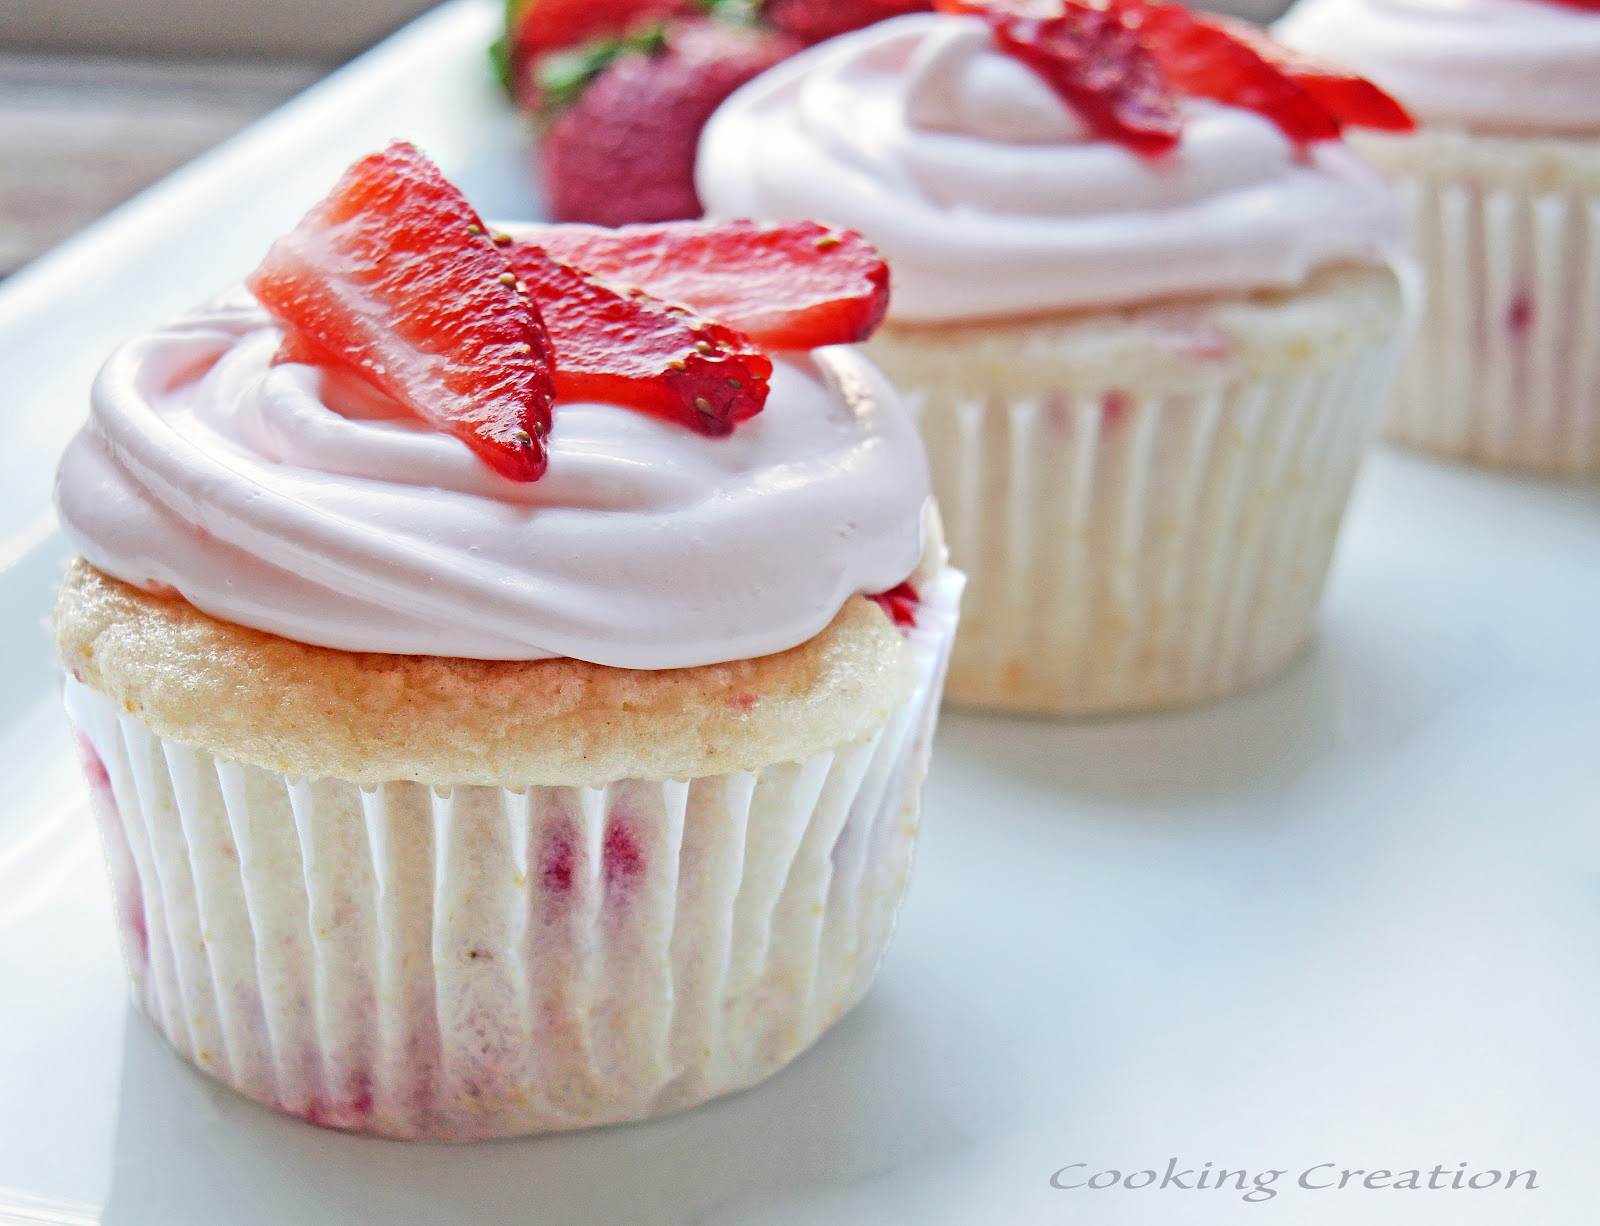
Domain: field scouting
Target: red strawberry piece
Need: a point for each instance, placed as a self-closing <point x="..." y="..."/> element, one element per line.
<point x="1203" y="58"/>
<point x="812" y="21"/>
<point x="788" y="285"/>
<point x="630" y="348"/>
<point x="1354" y="100"/>
<point x="624" y="150"/>
<point x="537" y="27"/>
<point x="1094" y="62"/>
<point x="295" y="348"/>
<point x="394" y="274"/>
<point x="899" y="602"/>
<point x="1592" y="6"/>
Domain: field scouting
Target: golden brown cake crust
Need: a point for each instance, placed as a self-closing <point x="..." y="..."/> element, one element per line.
<point x="1178" y="344"/>
<point x="316" y="712"/>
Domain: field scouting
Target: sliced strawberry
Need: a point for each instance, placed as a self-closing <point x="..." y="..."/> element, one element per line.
<point x="295" y="348"/>
<point x="1202" y="58"/>
<point x="787" y="285"/>
<point x="394" y="274"/>
<point x="633" y="349"/>
<point x="899" y="602"/>
<point x="1354" y="100"/>
<point x="1094" y="62"/>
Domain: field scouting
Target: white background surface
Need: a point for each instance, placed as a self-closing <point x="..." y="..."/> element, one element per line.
<point x="1353" y="917"/>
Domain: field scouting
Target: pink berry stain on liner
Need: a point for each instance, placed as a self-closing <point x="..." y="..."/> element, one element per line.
<point x="1519" y="315"/>
<point x="556" y="863"/>
<point x="348" y="1111"/>
<point x="622" y="858"/>
<point x="1115" y="408"/>
<point x="94" y="769"/>
<point x="130" y="902"/>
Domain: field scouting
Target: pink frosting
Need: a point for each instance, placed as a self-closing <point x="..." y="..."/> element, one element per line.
<point x="989" y="198"/>
<point x="301" y="502"/>
<point x="1498" y="64"/>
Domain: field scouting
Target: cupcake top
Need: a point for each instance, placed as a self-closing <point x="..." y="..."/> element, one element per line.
<point x="1497" y="65"/>
<point x="674" y="495"/>
<point x="996" y="192"/>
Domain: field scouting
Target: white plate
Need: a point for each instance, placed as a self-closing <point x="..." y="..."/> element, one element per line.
<point x="1351" y="918"/>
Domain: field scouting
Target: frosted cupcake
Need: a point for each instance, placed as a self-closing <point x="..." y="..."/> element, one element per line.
<point x="475" y="757"/>
<point x="1146" y="332"/>
<point x="1502" y="189"/>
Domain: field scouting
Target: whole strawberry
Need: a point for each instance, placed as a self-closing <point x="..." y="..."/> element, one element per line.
<point x="811" y="21"/>
<point x="621" y="145"/>
<point x="536" y="29"/>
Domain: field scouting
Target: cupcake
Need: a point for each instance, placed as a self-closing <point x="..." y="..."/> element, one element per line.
<point x="504" y="695"/>
<point x="1501" y="186"/>
<point x="1145" y="310"/>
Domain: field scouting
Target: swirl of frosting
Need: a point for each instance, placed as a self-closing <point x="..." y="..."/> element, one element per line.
<point x="1491" y="64"/>
<point x="300" y="501"/>
<point x="989" y="198"/>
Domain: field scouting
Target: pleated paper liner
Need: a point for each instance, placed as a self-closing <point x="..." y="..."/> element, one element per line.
<point x="458" y="963"/>
<point x="1505" y="371"/>
<point x="1132" y="549"/>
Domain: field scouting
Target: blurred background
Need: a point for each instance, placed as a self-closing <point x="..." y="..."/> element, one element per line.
<point x="100" y="99"/>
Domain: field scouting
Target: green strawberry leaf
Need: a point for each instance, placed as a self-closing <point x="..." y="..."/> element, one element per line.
<point x="500" y="61"/>
<point x="562" y="76"/>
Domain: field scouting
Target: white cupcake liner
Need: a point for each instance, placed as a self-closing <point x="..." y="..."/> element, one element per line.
<point x="1505" y="370"/>
<point x="1132" y="550"/>
<point x="473" y="962"/>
